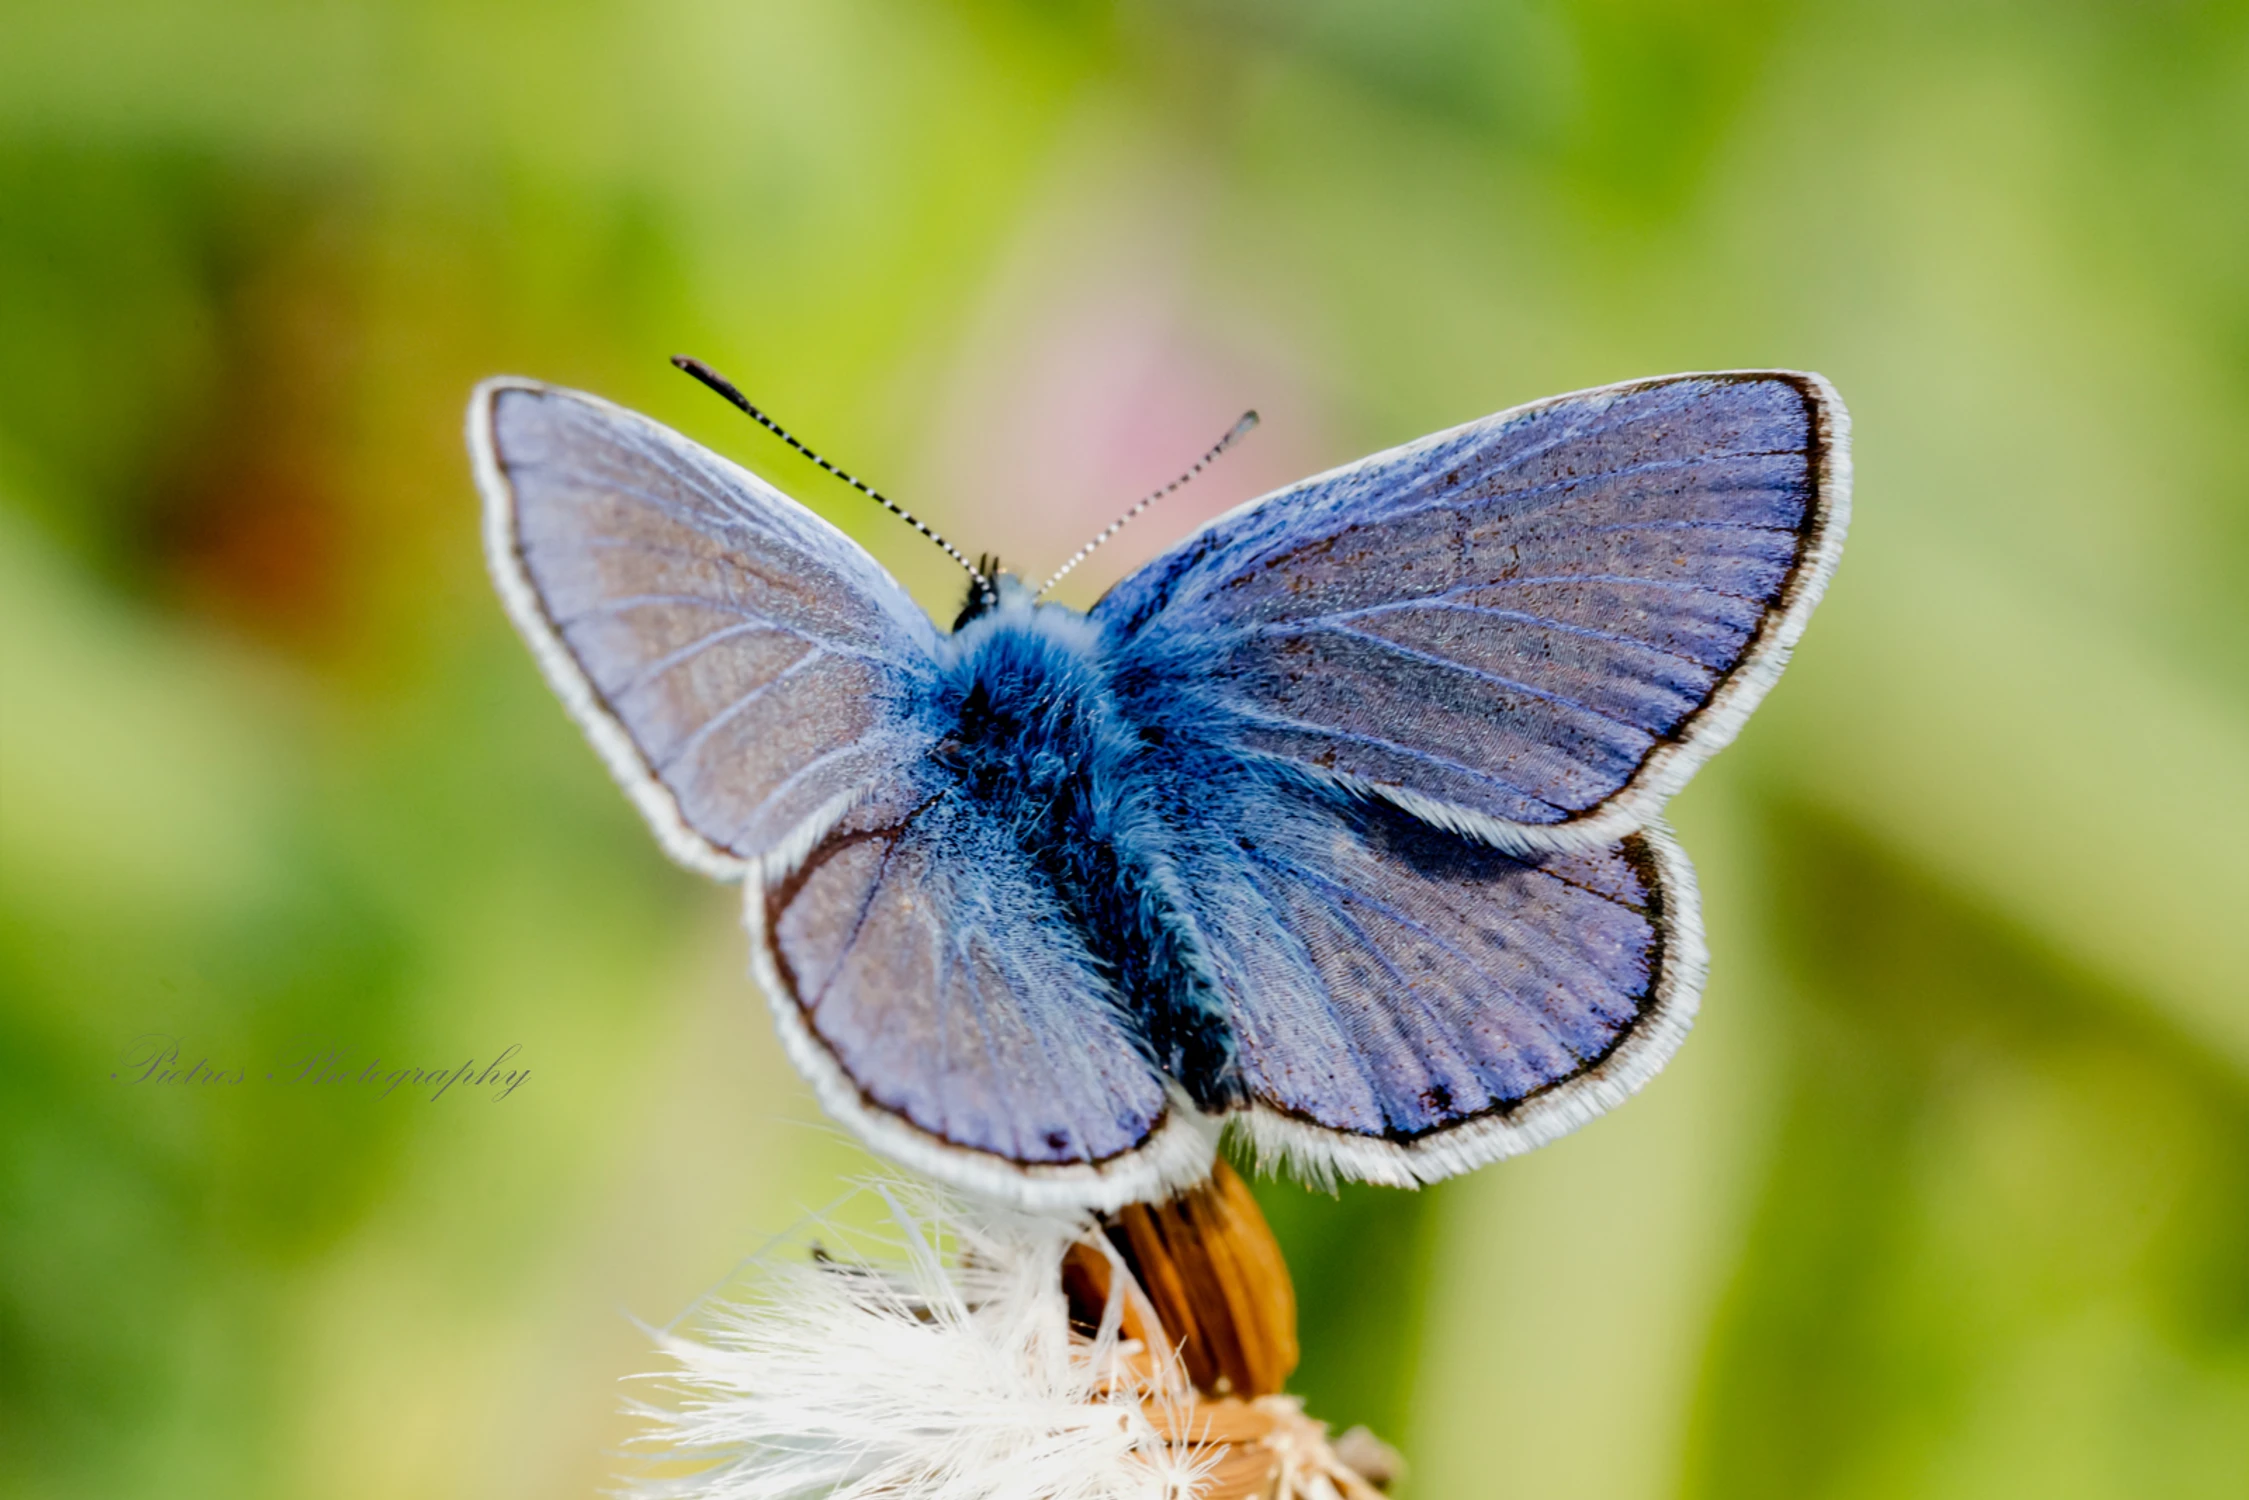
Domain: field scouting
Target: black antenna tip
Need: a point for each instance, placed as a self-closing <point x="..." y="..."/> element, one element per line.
<point x="713" y="379"/>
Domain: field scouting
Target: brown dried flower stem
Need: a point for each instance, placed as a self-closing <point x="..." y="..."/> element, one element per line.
<point x="1208" y="1283"/>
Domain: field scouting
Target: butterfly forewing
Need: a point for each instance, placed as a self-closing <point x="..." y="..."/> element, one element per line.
<point x="743" y="665"/>
<point x="1532" y="627"/>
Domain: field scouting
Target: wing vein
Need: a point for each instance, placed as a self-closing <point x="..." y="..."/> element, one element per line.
<point x="624" y="602"/>
<point x="734" y="710"/>
<point x="1272" y="720"/>
<point x="1406" y="920"/>
<point x="1447" y="603"/>
<point x="694" y="648"/>
<point x="1431" y="658"/>
<point x="1310" y="969"/>
<point x="1532" y="946"/>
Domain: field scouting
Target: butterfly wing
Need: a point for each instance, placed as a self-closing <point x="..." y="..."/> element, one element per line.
<point x="760" y="686"/>
<point x="1532" y="628"/>
<point x="744" y="667"/>
<point x="1408" y="1003"/>
<point x="930" y="983"/>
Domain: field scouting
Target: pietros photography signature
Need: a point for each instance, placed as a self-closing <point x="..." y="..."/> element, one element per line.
<point x="157" y="1059"/>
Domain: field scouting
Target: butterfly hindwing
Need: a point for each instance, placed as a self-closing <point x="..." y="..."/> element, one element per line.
<point x="1405" y="1002"/>
<point x="742" y="665"/>
<point x="1533" y="627"/>
<point x="940" y="996"/>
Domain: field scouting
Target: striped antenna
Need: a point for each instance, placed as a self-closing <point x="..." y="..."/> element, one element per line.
<point x="726" y="388"/>
<point x="1234" y="435"/>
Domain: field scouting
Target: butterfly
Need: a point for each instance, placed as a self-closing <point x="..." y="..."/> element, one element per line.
<point x="1336" y="826"/>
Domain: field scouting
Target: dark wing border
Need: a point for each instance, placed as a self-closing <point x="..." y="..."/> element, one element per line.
<point x="1713" y="726"/>
<point x="1320" y="1155"/>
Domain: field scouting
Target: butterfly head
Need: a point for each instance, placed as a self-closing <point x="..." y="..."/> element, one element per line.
<point x="992" y="590"/>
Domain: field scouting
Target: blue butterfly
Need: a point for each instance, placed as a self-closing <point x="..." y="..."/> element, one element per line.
<point x="1337" y="825"/>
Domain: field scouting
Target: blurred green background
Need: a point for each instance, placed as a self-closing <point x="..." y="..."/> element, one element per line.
<point x="1948" y="1196"/>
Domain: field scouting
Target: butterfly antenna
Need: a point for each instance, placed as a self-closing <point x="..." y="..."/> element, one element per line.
<point x="1234" y="435"/>
<point x="726" y="388"/>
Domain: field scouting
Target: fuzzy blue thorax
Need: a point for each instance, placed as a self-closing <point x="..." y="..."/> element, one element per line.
<point x="1027" y="697"/>
<point x="1045" y="743"/>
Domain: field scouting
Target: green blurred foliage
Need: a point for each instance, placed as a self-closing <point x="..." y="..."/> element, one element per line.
<point x="1949" y="1195"/>
<point x="2001" y="1241"/>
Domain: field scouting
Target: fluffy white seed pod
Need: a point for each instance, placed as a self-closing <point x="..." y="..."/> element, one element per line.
<point x="938" y="1372"/>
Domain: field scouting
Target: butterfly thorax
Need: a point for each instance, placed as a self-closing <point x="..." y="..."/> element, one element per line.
<point x="1026" y="703"/>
